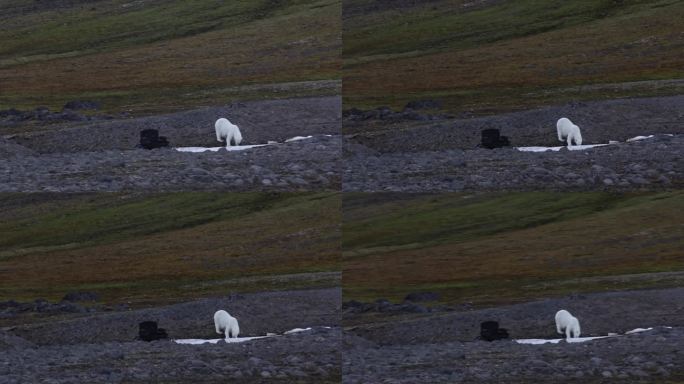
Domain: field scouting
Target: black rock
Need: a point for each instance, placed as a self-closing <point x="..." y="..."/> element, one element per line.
<point x="422" y="296"/>
<point x="423" y="104"/>
<point x="69" y="116"/>
<point x="81" y="296"/>
<point x="352" y="112"/>
<point x="150" y="139"/>
<point x="490" y="331"/>
<point x="413" y="115"/>
<point x="148" y="331"/>
<point x="491" y="138"/>
<point x="8" y="304"/>
<point x="346" y="304"/>
<point x="81" y="104"/>
<point x="10" y="112"/>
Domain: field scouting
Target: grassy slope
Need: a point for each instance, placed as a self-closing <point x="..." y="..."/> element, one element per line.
<point x="164" y="247"/>
<point x="164" y="55"/>
<point x="510" y="55"/>
<point x="502" y="248"/>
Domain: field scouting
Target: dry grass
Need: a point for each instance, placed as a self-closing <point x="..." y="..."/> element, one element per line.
<point x="513" y="55"/>
<point x="497" y="248"/>
<point x="158" y="68"/>
<point x="156" y="246"/>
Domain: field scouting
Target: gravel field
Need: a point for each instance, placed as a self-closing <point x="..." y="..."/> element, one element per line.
<point x="101" y="347"/>
<point x="419" y="151"/>
<point x="100" y="155"/>
<point x="443" y="347"/>
<point x="651" y="164"/>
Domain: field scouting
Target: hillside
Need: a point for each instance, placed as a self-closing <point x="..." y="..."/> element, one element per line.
<point x="161" y="248"/>
<point x="502" y="248"/>
<point x="493" y="56"/>
<point x="154" y="56"/>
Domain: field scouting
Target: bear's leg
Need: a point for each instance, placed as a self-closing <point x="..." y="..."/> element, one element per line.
<point x="568" y="333"/>
<point x="569" y="140"/>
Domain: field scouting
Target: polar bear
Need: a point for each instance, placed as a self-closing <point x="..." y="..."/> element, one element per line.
<point x="567" y="130"/>
<point x="226" y="323"/>
<point x="568" y="323"/>
<point x="227" y="130"/>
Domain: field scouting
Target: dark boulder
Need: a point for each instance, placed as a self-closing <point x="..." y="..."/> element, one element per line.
<point x="11" y="304"/>
<point x="490" y="331"/>
<point x="410" y="114"/>
<point x="422" y="296"/>
<point x="354" y="112"/>
<point x="423" y="104"/>
<point x="68" y="116"/>
<point x="491" y="138"/>
<point x="148" y="331"/>
<point x="150" y="139"/>
<point x="10" y="113"/>
<point x="81" y="104"/>
<point x="81" y="296"/>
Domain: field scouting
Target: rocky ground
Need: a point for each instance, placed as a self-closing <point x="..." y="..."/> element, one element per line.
<point x="101" y="347"/>
<point x="99" y="154"/>
<point x="652" y="164"/>
<point x="443" y="347"/>
<point x="311" y="164"/>
<point x="395" y="151"/>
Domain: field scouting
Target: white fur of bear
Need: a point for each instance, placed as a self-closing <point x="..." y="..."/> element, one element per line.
<point x="567" y="130"/>
<point x="227" y="130"/>
<point x="226" y="323"/>
<point x="565" y="322"/>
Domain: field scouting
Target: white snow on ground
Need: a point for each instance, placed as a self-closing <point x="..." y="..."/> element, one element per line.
<point x="214" y="149"/>
<point x="297" y="138"/>
<point x="556" y="341"/>
<point x="238" y="147"/>
<point x="637" y="138"/>
<point x="582" y="147"/>
<point x="579" y="339"/>
<point x="214" y="341"/>
<point x="238" y="339"/>
<point x="572" y="148"/>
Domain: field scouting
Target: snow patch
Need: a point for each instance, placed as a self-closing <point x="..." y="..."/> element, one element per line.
<point x="215" y="149"/>
<point x="572" y="148"/>
<point x="297" y="138"/>
<point x="583" y="147"/>
<point x="637" y="138"/>
<point x="637" y="330"/>
<point x="556" y="341"/>
<point x="239" y="147"/>
<point x="214" y="341"/>
<point x="238" y="339"/>
<point x="581" y="339"/>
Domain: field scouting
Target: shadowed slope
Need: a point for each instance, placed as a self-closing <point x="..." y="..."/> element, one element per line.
<point x="501" y="248"/>
<point x="166" y="247"/>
